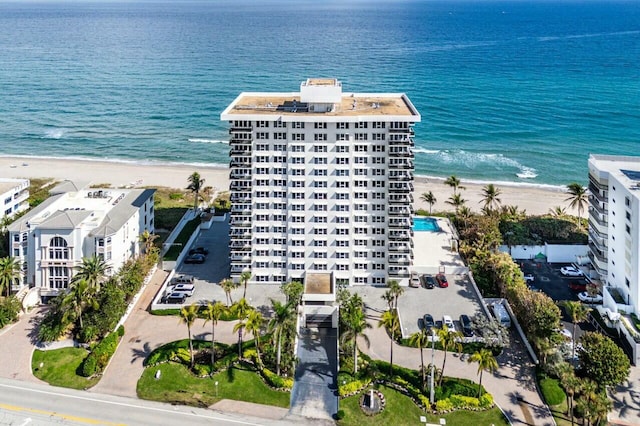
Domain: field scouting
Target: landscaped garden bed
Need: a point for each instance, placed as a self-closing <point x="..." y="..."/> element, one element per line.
<point x="61" y="367"/>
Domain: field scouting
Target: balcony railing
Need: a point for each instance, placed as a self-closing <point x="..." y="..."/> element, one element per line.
<point x="600" y="242"/>
<point x="599" y="254"/>
<point x="598" y="265"/>
<point x="598" y="218"/>
<point x="594" y="192"/>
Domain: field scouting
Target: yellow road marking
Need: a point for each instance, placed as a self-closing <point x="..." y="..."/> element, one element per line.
<point x="54" y="414"/>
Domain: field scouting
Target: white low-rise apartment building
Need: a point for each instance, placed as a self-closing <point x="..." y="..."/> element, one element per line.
<point x="614" y="229"/>
<point x="75" y="223"/>
<point x="322" y="182"/>
<point x="15" y="196"/>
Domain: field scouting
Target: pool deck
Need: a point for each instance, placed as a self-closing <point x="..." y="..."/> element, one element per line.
<point x="432" y="251"/>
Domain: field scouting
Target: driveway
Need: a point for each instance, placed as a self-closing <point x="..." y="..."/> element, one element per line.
<point x="512" y="385"/>
<point x="17" y="343"/>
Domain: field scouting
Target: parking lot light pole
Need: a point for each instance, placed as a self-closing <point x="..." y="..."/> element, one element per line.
<point x="433" y="350"/>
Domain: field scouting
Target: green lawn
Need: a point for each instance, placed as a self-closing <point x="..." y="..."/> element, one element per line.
<point x="401" y="410"/>
<point x="60" y="368"/>
<point x="177" y="385"/>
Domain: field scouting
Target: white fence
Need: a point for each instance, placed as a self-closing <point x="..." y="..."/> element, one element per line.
<point x="554" y="253"/>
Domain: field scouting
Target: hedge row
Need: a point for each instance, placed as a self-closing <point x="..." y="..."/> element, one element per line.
<point x="99" y="357"/>
<point x="461" y="402"/>
<point x="276" y="381"/>
<point x="353" y="387"/>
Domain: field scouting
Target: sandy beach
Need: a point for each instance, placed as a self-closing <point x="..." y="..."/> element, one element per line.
<point x="534" y="200"/>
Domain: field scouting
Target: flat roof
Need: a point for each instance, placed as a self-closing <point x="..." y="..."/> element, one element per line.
<point x="625" y="169"/>
<point x="7" y="185"/>
<point x="316" y="283"/>
<point x="351" y="105"/>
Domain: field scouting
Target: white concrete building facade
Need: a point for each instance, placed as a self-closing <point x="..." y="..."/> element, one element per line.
<point x="614" y="229"/>
<point x="322" y="182"/>
<point x="14" y="194"/>
<point x="52" y="239"/>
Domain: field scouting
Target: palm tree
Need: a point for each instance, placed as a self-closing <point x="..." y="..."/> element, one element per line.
<point x="196" y="183"/>
<point x="212" y="313"/>
<point x="93" y="270"/>
<point x="188" y="315"/>
<point x="9" y="273"/>
<point x="588" y="398"/>
<point x="429" y="198"/>
<point x="491" y="196"/>
<point x="241" y="310"/>
<point x="450" y="340"/>
<point x="283" y="318"/>
<point x="486" y="362"/>
<point x="245" y="277"/>
<point x="356" y="327"/>
<point x="391" y="322"/>
<point x="387" y="296"/>
<point x="147" y="239"/>
<point x="456" y="201"/>
<point x="80" y="295"/>
<point x="227" y="285"/>
<point x="420" y="339"/>
<point x="396" y="291"/>
<point x="454" y="182"/>
<point x="254" y="324"/>
<point x="577" y="197"/>
<point x="558" y="212"/>
<point x="571" y="385"/>
<point x="578" y="313"/>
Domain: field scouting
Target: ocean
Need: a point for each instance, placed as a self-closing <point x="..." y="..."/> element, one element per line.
<point x="509" y="91"/>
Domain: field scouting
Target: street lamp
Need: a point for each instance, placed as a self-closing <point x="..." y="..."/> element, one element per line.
<point x="433" y="349"/>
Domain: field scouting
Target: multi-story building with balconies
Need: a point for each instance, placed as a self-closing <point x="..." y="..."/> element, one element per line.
<point x="15" y="193"/>
<point x="614" y="229"/>
<point x="51" y="240"/>
<point x="321" y="180"/>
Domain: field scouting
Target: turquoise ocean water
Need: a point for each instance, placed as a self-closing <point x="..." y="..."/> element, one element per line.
<point x="508" y="91"/>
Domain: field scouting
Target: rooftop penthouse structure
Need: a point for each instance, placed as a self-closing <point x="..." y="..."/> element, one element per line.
<point x="321" y="182"/>
<point x="51" y="240"/>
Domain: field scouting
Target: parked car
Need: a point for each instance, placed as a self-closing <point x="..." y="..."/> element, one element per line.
<point x="183" y="279"/>
<point x="199" y="250"/>
<point x="415" y="281"/>
<point x="465" y="322"/>
<point x="529" y="278"/>
<point x="187" y="289"/>
<point x="588" y="298"/>
<point x="195" y="258"/>
<point x="448" y="321"/>
<point x="428" y="322"/>
<point x="571" y="271"/>
<point x="428" y="281"/>
<point x="176" y="298"/>
<point x="442" y="281"/>
<point x="578" y="285"/>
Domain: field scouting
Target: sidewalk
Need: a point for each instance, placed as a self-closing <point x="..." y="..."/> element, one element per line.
<point x="512" y="386"/>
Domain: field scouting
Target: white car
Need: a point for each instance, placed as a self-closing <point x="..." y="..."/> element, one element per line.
<point x="529" y="278"/>
<point x="571" y="271"/>
<point x="587" y="298"/>
<point x="448" y="321"/>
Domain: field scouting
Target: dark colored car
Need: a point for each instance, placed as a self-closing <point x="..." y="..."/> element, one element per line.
<point x="578" y="286"/>
<point x="176" y="298"/>
<point x="195" y="258"/>
<point x="428" y="322"/>
<point x="465" y="322"/>
<point x="442" y="281"/>
<point x="199" y="250"/>
<point x="428" y="281"/>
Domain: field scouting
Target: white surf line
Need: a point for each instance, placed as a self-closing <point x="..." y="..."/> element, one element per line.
<point x="162" y="410"/>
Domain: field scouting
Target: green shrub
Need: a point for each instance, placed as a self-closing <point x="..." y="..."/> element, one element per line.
<point x="120" y="331"/>
<point x="202" y="369"/>
<point x="99" y="357"/>
<point x="461" y="401"/>
<point x="444" y="405"/>
<point x="354" y="386"/>
<point x="153" y="359"/>
<point x="424" y="400"/>
<point x="183" y="355"/>
<point x="276" y="381"/>
<point x="454" y="386"/>
<point x="175" y="196"/>
<point x="9" y="309"/>
<point x="486" y="400"/>
<point x="552" y="391"/>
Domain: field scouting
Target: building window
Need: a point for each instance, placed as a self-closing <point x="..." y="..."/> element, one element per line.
<point x="342" y="126"/>
<point x="297" y="125"/>
<point x="361" y="125"/>
<point x="297" y="137"/>
<point x="627" y="201"/>
<point x="58" y="250"/>
<point x="58" y="277"/>
<point x="320" y="137"/>
<point x="628" y="229"/>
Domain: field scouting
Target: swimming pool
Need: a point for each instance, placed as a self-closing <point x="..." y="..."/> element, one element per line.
<point x="427" y="224"/>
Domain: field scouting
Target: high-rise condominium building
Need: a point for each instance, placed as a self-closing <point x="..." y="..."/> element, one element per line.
<point x="614" y="229"/>
<point x="321" y="182"/>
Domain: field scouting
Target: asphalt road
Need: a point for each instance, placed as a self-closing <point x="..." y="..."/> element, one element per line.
<point x="35" y="404"/>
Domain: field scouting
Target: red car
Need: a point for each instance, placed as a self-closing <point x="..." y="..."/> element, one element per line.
<point x="578" y="286"/>
<point x="442" y="281"/>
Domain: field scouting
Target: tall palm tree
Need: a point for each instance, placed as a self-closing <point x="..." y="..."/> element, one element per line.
<point x="429" y="198"/>
<point x="9" y="273"/>
<point x="196" y="183"/>
<point x="420" y="339"/>
<point x="147" y="239"/>
<point x="588" y="397"/>
<point x="356" y="327"/>
<point x="450" y="340"/>
<point x="283" y="318"/>
<point x="578" y="197"/>
<point x="241" y="310"/>
<point x="255" y="322"/>
<point x="391" y="322"/>
<point x="396" y="291"/>
<point x="486" y="362"/>
<point x="456" y="201"/>
<point x="79" y="297"/>
<point x="571" y="385"/>
<point x="491" y="197"/>
<point x="93" y="270"/>
<point x="212" y="313"/>
<point x="227" y="285"/>
<point x="387" y="296"/>
<point x="578" y="313"/>
<point x="245" y="276"/>
<point x="454" y="183"/>
<point x="188" y="315"/>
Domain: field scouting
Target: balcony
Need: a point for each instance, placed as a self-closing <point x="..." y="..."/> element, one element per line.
<point x="399" y="235"/>
<point x="400" y="199"/>
<point x="234" y="175"/>
<point x="240" y="257"/>
<point x="599" y="218"/>
<point x="599" y="265"/>
<point x="593" y="182"/>
<point x="241" y="221"/>
<point x="401" y="187"/>
<point x="240" y="150"/>
<point x="599" y="208"/>
<point x="236" y="163"/>
<point x="596" y="193"/>
<point x="402" y="176"/>
<point x="407" y="164"/>
<point x="240" y="245"/>
<point x="401" y="152"/>
<point x="237" y="185"/>
<point x="240" y="198"/>
<point x="598" y="241"/>
<point x="400" y="223"/>
<point x="240" y="234"/>
<point x="397" y="261"/>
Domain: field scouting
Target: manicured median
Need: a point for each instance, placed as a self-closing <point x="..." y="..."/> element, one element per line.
<point x="60" y="367"/>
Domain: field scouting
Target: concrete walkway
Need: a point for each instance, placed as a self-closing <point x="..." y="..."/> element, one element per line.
<point x="512" y="386"/>
<point x="626" y="401"/>
<point x="17" y="343"/>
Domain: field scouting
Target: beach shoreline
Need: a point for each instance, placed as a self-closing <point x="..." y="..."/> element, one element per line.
<point x="535" y="199"/>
